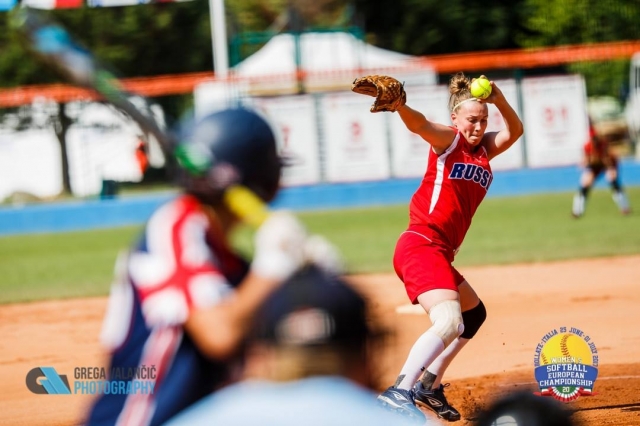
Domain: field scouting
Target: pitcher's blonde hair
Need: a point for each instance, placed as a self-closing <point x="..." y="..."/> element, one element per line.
<point x="459" y="91"/>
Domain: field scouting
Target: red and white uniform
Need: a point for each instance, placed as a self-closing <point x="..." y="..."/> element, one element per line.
<point x="440" y="214"/>
<point x="596" y="151"/>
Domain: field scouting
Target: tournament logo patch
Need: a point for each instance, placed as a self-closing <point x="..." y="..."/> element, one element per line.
<point x="566" y="364"/>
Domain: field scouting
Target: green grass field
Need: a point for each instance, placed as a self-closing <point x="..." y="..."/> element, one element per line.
<point x="505" y="230"/>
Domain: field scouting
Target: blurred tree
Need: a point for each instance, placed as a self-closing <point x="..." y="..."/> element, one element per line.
<point x="159" y="38"/>
<point x="252" y="22"/>
<point x="254" y="15"/>
<point x="322" y="13"/>
<point x="559" y="22"/>
<point x="428" y="27"/>
<point x="273" y="15"/>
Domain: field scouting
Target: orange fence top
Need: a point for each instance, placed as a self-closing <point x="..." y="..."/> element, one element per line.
<point x="481" y="61"/>
<point x="532" y="58"/>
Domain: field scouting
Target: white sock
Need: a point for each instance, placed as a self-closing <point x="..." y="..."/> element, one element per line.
<point x="441" y="363"/>
<point x="578" y="205"/>
<point x="424" y="351"/>
<point x="621" y="201"/>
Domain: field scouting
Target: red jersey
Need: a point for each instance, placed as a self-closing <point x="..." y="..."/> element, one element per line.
<point x="596" y="150"/>
<point x="453" y="187"/>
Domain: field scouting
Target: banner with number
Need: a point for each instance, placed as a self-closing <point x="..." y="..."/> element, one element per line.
<point x="100" y="154"/>
<point x="355" y="140"/>
<point x="101" y="146"/>
<point x="294" y="121"/>
<point x="555" y="119"/>
<point x="513" y="157"/>
<point x="30" y="163"/>
<point x="409" y="151"/>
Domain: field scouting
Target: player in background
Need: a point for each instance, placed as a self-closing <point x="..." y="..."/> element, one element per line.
<point x="183" y="300"/>
<point x="307" y="363"/>
<point x="598" y="159"/>
<point x="456" y="181"/>
<point x="142" y="155"/>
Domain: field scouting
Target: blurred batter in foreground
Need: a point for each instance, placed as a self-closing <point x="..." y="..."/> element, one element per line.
<point x="184" y="299"/>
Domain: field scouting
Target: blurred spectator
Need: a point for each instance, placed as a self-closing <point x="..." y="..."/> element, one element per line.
<point x="141" y="155"/>
<point x="525" y="409"/>
<point x="306" y="363"/>
<point x="598" y="159"/>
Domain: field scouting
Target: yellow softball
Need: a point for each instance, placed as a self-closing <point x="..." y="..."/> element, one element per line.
<point x="566" y="348"/>
<point x="480" y="88"/>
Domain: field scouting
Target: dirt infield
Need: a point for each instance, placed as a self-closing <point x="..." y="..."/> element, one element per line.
<point x="524" y="302"/>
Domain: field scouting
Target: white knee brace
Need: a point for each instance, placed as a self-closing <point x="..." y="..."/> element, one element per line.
<point x="446" y="320"/>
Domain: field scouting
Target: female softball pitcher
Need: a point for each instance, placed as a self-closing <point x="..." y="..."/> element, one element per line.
<point x="456" y="181"/>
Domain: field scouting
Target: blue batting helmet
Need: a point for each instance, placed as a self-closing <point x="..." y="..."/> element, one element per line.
<point x="232" y="146"/>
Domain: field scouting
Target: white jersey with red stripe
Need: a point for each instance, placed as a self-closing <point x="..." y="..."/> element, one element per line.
<point x="178" y="265"/>
<point x="453" y="187"/>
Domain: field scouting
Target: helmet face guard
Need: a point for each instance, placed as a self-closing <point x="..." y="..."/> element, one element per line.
<point x="229" y="147"/>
